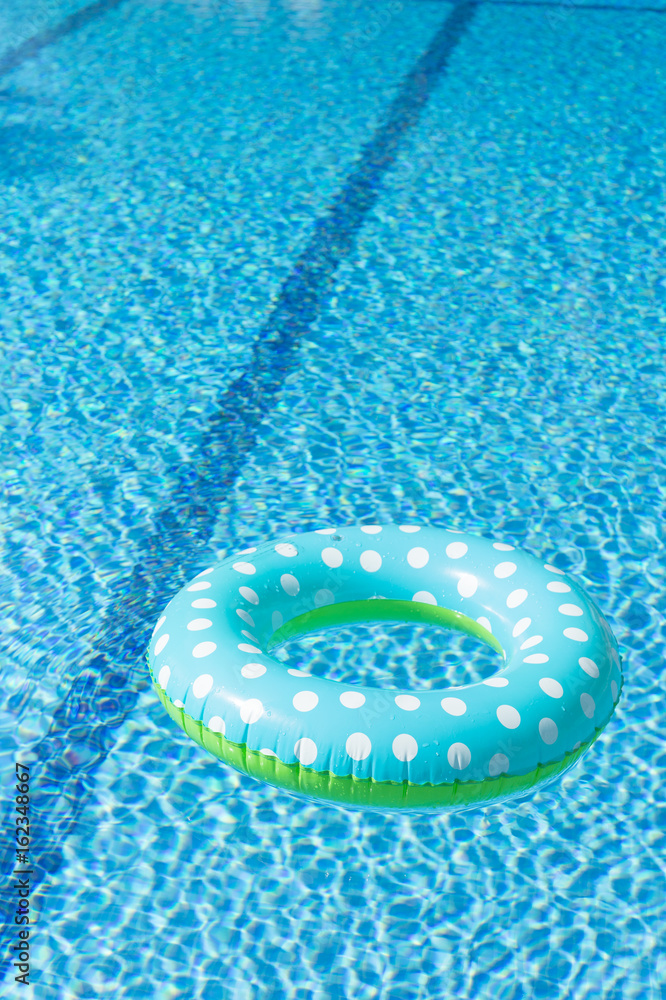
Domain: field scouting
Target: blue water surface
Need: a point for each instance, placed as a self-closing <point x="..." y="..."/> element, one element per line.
<point x="273" y="266"/>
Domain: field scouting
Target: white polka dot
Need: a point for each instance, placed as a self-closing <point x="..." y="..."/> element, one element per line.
<point x="405" y="747"/>
<point x="456" y="550"/>
<point x="267" y="753"/>
<point x="204" y="649"/>
<point x="533" y="640"/>
<point x="521" y="626"/>
<point x="371" y="529"/>
<point x="178" y="703"/>
<point x="458" y="756"/>
<point x="276" y="620"/>
<point x="558" y="587"/>
<point x="202" y="585"/>
<point x="202" y="685"/>
<point x="323" y="597"/>
<point x="570" y="609"/>
<point x="198" y="624"/>
<point x="247" y="618"/>
<point x="587" y="704"/>
<point x="352" y="699"/>
<point x="216" y="724"/>
<point x="467" y="585"/>
<point x="332" y="557"/>
<point x="553" y="569"/>
<point x="245" y="647"/>
<point x="249" y="594"/>
<point x="409" y="529"/>
<point x="251" y="711"/>
<point x="252" y="670"/>
<point x="159" y="624"/>
<point x="325" y="531"/>
<point x="306" y="751"/>
<point x="248" y="635"/>
<point x="508" y="716"/>
<point x="163" y="677"/>
<point x="453" y="706"/>
<point x="576" y="634"/>
<point x="298" y="673"/>
<point x="289" y="584"/>
<point x="589" y="666"/>
<point x="495" y="682"/>
<point x="418" y="557"/>
<point x="515" y="598"/>
<point x="504" y="569"/>
<point x="358" y="746"/>
<point x="614" y="690"/>
<point x="245" y="567"/>
<point x="244" y="552"/>
<point x="286" y="549"/>
<point x="485" y="623"/>
<point x="424" y="597"/>
<point x="498" y="764"/>
<point x="371" y="561"/>
<point x="551" y="687"/>
<point x="305" y="701"/>
<point x="204" y="602"/>
<point x="161" y="643"/>
<point x="548" y="731"/>
<point x="408" y="702"/>
<point x="536" y="658"/>
<point x="503" y="547"/>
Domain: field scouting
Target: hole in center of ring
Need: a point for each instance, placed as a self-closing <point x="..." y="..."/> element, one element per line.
<point x="389" y="644"/>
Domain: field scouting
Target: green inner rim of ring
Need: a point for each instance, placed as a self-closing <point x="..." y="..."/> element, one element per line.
<point x="380" y="610"/>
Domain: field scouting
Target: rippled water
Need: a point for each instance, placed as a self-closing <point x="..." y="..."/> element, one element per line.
<point x="392" y="655"/>
<point x="485" y="352"/>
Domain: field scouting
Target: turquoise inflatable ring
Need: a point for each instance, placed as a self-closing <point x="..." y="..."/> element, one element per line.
<point x="211" y="664"/>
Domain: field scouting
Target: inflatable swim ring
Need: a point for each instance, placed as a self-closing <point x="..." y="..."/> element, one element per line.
<point x="211" y="664"/>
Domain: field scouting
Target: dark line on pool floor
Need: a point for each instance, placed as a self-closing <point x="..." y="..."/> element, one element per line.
<point x="33" y="46"/>
<point x="108" y="686"/>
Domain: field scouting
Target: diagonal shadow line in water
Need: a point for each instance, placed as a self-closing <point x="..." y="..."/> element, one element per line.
<point x="107" y="687"/>
<point x="31" y="47"/>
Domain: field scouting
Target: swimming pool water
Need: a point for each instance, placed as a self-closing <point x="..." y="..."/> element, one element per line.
<point x="268" y="267"/>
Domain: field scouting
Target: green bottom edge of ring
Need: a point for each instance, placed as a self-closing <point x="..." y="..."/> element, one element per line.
<point x="354" y="791"/>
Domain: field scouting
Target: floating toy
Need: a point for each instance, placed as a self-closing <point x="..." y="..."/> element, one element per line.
<point x="211" y="664"/>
